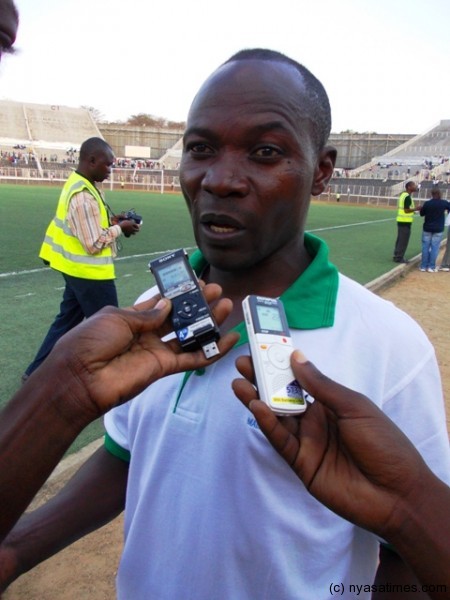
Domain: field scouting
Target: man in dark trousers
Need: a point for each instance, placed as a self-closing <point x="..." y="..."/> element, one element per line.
<point x="405" y="216"/>
<point x="80" y="243"/>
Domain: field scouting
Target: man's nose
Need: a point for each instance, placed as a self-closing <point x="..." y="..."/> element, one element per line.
<point x="225" y="176"/>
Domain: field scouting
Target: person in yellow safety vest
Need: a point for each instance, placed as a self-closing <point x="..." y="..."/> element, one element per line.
<point x="405" y="216"/>
<point x="80" y="243"/>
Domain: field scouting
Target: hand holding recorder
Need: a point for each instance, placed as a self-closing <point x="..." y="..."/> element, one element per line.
<point x="103" y="362"/>
<point x="118" y="352"/>
<point x="356" y="461"/>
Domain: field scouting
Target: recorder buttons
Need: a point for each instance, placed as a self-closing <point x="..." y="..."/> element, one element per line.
<point x="280" y="356"/>
<point x="187" y="309"/>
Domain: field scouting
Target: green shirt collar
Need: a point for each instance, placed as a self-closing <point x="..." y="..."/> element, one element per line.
<point x="310" y="301"/>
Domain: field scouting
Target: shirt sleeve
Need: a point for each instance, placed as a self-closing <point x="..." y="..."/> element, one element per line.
<point x="84" y="221"/>
<point x="407" y="203"/>
<point x="116" y="427"/>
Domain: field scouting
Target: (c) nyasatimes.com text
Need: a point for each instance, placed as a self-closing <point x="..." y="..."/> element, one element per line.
<point x="356" y="589"/>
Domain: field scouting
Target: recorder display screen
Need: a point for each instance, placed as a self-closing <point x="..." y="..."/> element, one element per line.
<point x="174" y="275"/>
<point x="269" y="318"/>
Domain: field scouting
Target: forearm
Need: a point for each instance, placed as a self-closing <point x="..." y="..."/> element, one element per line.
<point x="93" y="497"/>
<point x="85" y="222"/>
<point x="106" y="238"/>
<point x="36" y="428"/>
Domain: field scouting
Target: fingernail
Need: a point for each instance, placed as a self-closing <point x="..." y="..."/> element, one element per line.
<point x="161" y="304"/>
<point x="299" y="357"/>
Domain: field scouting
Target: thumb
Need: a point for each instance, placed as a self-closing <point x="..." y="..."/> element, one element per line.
<point x="154" y="317"/>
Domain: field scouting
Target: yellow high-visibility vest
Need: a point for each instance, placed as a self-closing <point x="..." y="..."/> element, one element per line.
<point x="64" y="251"/>
<point x="403" y="217"/>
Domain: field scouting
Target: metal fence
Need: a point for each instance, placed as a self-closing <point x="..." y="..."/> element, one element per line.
<point x="163" y="181"/>
<point x="147" y="180"/>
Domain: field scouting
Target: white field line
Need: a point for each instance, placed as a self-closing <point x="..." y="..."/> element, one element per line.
<point x="350" y="225"/>
<point x="45" y="269"/>
<point x="132" y="256"/>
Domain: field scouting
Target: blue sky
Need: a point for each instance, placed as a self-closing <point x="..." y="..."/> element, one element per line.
<point x="384" y="63"/>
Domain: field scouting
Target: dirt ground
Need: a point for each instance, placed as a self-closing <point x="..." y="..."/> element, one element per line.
<point x="87" y="569"/>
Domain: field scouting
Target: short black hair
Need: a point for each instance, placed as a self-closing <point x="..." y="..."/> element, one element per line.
<point x="93" y="145"/>
<point x="319" y="104"/>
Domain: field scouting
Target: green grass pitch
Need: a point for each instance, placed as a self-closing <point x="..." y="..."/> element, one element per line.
<point x="360" y="238"/>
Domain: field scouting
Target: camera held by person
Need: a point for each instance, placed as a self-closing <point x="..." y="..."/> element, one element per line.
<point x="130" y="215"/>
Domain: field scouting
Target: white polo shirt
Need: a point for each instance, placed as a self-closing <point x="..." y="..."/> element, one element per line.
<point x="212" y="511"/>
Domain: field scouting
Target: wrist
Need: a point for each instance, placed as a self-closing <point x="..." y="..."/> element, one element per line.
<point x="67" y="396"/>
<point x="420" y="528"/>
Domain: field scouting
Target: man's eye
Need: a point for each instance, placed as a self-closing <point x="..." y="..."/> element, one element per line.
<point x="199" y="149"/>
<point x="267" y="152"/>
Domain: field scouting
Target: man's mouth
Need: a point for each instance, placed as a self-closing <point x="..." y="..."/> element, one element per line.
<point x="220" y="224"/>
<point x="221" y="228"/>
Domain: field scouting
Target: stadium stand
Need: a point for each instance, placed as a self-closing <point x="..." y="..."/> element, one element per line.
<point x="60" y="125"/>
<point x="171" y="159"/>
<point x="419" y="158"/>
<point x="47" y="131"/>
<point x="424" y="158"/>
<point x="13" y="124"/>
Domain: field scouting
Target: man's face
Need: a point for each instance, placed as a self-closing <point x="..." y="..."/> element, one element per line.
<point x="249" y="164"/>
<point x="101" y="165"/>
<point x="8" y="26"/>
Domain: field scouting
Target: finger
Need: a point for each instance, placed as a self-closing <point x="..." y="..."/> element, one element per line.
<point x="244" y="390"/>
<point x="343" y="401"/>
<point x="226" y="342"/>
<point x="146" y="304"/>
<point x="157" y="316"/>
<point x="222" y="310"/>
<point x="244" y="365"/>
<point x="211" y="291"/>
<point x="149" y="316"/>
<point x="276" y="431"/>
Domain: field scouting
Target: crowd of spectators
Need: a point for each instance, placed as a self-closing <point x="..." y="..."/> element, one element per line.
<point x="15" y="157"/>
<point x="23" y="158"/>
<point x="133" y="163"/>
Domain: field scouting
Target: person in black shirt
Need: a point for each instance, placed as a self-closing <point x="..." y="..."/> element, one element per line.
<point x="433" y="228"/>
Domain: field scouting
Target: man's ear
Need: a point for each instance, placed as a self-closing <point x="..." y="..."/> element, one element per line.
<point x="324" y="169"/>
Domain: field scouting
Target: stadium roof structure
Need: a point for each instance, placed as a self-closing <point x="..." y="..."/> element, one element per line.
<point x="45" y="127"/>
<point x="429" y="150"/>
